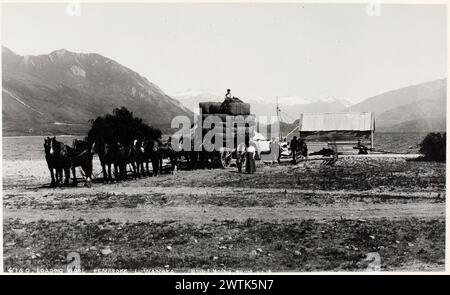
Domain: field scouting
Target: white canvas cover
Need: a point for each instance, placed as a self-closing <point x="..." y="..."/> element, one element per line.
<point x="337" y="122"/>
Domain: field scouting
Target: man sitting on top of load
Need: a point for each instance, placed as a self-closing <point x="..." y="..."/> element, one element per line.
<point x="231" y="98"/>
<point x="228" y="95"/>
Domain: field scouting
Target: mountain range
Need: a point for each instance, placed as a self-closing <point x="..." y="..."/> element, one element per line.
<point x="58" y="93"/>
<point x="289" y="105"/>
<point x="415" y="108"/>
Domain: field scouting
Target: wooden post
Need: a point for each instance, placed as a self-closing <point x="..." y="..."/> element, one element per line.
<point x="372" y="129"/>
<point x="300" y="122"/>
<point x="371" y="139"/>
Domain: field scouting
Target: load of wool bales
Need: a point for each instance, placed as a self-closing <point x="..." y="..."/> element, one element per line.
<point x="230" y="119"/>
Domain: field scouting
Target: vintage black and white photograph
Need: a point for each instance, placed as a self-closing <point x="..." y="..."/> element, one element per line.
<point x="223" y="137"/>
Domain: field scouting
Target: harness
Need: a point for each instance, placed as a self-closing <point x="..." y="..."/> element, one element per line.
<point x="82" y="153"/>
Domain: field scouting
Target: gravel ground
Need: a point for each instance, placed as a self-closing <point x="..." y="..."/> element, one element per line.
<point x="283" y="218"/>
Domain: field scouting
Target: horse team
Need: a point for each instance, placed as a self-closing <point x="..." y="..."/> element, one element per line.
<point x="114" y="159"/>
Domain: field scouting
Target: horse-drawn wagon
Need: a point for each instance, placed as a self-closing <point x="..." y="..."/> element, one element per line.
<point x="223" y="130"/>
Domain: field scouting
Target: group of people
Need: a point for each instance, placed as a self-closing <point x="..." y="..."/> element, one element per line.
<point x="246" y="153"/>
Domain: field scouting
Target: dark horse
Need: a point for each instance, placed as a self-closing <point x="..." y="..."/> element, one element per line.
<point x="126" y="154"/>
<point x="118" y="156"/>
<point x="56" y="154"/>
<point x="139" y="157"/>
<point x="81" y="155"/>
<point x="151" y="153"/>
<point x="51" y="161"/>
<point x="107" y="153"/>
<point x="166" y="151"/>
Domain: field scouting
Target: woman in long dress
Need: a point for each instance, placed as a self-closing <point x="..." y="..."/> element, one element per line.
<point x="250" y="165"/>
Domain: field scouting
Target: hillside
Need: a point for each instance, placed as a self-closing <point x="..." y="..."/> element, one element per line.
<point x="58" y="93"/>
<point x="417" y="108"/>
<point x="428" y="114"/>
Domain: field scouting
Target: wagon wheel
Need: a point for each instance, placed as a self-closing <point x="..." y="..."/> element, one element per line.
<point x="225" y="158"/>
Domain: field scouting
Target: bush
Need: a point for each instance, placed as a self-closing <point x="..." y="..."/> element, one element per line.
<point x="121" y="126"/>
<point x="433" y="146"/>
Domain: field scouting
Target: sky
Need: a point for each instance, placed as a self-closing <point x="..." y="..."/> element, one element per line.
<point x="260" y="51"/>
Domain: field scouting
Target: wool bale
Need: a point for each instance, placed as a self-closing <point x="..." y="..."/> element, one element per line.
<point x="232" y="131"/>
<point x="235" y="108"/>
<point x="241" y="120"/>
<point x="210" y="107"/>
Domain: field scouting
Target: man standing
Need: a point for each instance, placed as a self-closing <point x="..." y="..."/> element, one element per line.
<point x="294" y="147"/>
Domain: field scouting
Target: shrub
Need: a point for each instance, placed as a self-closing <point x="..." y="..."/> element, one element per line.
<point x="433" y="146"/>
<point x="121" y="126"/>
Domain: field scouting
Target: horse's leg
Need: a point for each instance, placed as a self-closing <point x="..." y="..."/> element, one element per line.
<point x="141" y="168"/>
<point x="109" y="173"/>
<point x="135" y="170"/>
<point x="87" y="168"/>
<point x="155" y="167"/>
<point x="61" y="171"/>
<point x="138" y="168"/>
<point x="58" y="175"/>
<point x="105" y="175"/>
<point x="138" y="172"/>
<point x="158" y="168"/>
<point x="119" y="171"/>
<point x="113" y="174"/>
<point x="66" y="175"/>
<point x="52" y="175"/>
<point x="75" y="181"/>
<point x="124" y="171"/>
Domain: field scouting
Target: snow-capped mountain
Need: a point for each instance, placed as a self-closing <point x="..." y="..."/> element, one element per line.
<point x="290" y="106"/>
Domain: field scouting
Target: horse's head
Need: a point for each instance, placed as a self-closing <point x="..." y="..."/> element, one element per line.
<point x="56" y="146"/>
<point x="47" y="145"/>
<point x="138" y="144"/>
<point x="108" y="148"/>
<point x="155" y="145"/>
<point x="150" y="146"/>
